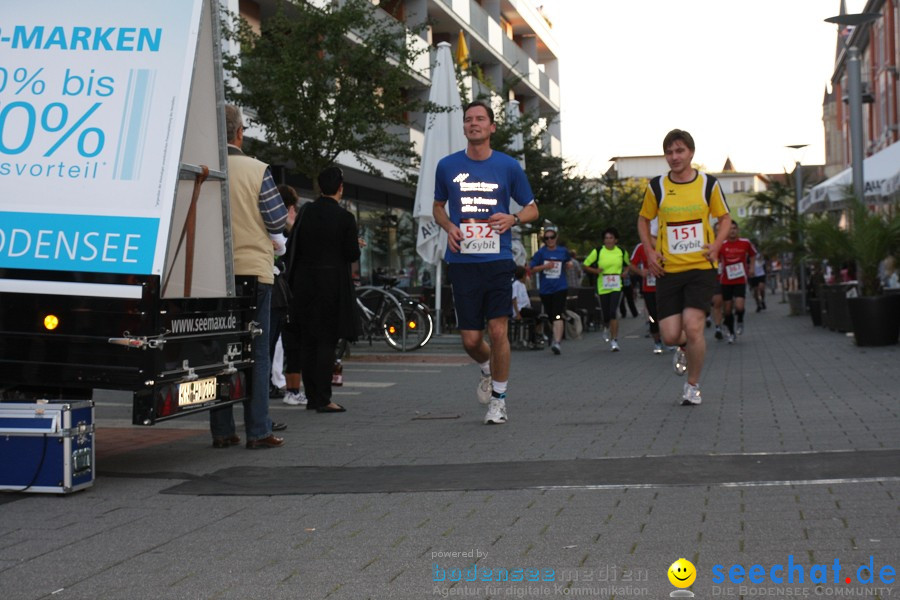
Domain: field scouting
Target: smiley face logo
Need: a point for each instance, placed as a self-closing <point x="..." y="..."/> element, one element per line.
<point x="682" y="573"/>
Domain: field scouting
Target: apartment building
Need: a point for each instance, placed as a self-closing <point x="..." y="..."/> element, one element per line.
<point x="879" y="46"/>
<point x="739" y="188"/>
<point x="512" y="49"/>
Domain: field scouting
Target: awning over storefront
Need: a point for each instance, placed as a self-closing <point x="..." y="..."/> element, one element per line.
<point x="881" y="172"/>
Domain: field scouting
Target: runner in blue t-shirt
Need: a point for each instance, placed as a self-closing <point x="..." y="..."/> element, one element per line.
<point x="475" y="186"/>
<point x="549" y="261"/>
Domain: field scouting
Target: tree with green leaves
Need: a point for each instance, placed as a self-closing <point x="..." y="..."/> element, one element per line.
<point x="565" y="198"/>
<point x="773" y="221"/>
<point x="583" y="212"/>
<point x="559" y="190"/>
<point x="326" y="80"/>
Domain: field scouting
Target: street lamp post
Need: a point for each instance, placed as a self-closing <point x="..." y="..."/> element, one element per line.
<point x="798" y="193"/>
<point x="854" y="92"/>
<point x="854" y="95"/>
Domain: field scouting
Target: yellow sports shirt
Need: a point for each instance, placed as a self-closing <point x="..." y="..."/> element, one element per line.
<point x="684" y="210"/>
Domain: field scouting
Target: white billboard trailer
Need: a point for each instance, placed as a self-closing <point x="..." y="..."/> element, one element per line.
<point x="94" y="127"/>
<point x="115" y="240"/>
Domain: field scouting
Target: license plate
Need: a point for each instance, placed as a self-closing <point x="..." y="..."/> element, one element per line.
<point x="195" y="392"/>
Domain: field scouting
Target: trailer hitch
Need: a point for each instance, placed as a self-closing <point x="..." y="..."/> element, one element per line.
<point x="141" y="343"/>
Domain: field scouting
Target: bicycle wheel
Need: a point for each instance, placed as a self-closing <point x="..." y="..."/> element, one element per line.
<point x="425" y="323"/>
<point x="407" y="328"/>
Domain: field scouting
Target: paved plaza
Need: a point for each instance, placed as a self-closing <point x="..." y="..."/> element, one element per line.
<point x="597" y="484"/>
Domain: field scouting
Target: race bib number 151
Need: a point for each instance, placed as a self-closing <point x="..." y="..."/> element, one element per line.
<point x="685" y="237"/>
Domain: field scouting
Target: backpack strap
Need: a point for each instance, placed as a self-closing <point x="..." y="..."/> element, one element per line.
<point x="709" y="185"/>
<point x="656" y="188"/>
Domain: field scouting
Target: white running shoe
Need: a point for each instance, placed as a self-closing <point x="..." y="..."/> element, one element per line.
<point x="658" y="348"/>
<point x="614" y="346"/>
<point x="679" y="361"/>
<point x="484" y="389"/>
<point x="496" y="414"/>
<point x="606" y="335"/>
<point x="691" y="395"/>
<point x="555" y="347"/>
<point x="731" y="338"/>
<point x="740" y="329"/>
<point x="292" y="399"/>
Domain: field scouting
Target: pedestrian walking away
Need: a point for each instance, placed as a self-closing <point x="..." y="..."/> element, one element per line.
<point x="684" y="259"/>
<point x="648" y="287"/>
<point x="257" y="214"/>
<point x="629" y="291"/>
<point x="609" y="263"/>
<point x="472" y="193"/>
<point x="716" y="308"/>
<point x="735" y="255"/>
<point x="758" y="281"/>
<point x="576" y="273"/>
<point x="550" y="262"/>
<point x="322" y="248"/>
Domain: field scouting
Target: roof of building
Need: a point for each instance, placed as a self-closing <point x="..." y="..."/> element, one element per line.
<point x="615" y="158"/>
<point x="842" y="32"/>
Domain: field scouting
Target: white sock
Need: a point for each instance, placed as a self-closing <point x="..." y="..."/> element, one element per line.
<point x="499" y="386"/>
<point x="486" y="367"/>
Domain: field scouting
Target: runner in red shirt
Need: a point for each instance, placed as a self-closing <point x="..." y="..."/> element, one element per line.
<point x="735" y="255"/>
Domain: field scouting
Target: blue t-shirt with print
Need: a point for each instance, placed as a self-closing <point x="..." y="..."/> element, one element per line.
<point x="552" y="279"/>
<point x="476" y="189"/>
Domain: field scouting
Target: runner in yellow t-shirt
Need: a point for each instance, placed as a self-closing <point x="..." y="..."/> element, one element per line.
<point x="685" y="255"/>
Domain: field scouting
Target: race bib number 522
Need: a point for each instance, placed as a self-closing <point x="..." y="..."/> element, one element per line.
<point x="479" y="238"/>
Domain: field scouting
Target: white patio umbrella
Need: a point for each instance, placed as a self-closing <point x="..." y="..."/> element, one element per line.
<point x="517" y="145"/>
<point x="443" y="136"/>
<point x="882" y="178"/>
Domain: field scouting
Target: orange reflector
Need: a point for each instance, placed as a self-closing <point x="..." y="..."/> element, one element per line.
<point x="51" y="322"/>
<point x="392" y="329"/>
<point x="412" y="324"/>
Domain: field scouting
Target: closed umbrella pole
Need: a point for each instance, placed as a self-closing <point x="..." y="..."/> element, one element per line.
<point x="443" y="136"/>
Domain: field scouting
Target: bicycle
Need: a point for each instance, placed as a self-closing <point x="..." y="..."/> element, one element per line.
<point x="388" y="312"/>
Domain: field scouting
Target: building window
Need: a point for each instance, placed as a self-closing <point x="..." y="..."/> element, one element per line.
<point x="742" y="212"/>
<point x="507" y="27"/>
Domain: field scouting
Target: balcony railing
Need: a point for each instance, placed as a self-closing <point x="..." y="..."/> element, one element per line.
<point x="488" y="29"/>
<point x="478" y="19"/>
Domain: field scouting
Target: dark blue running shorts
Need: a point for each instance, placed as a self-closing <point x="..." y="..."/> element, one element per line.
<point x="481" y="292"/>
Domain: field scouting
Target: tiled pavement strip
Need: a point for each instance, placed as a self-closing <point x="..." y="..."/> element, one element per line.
<point x="785" y="387"/>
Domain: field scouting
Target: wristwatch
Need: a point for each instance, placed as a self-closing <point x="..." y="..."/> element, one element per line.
<point x="518" y="220"/>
